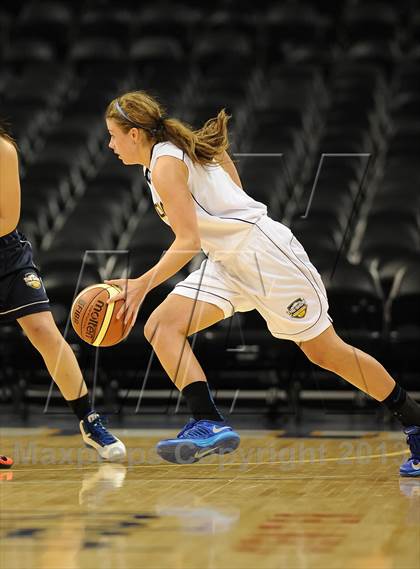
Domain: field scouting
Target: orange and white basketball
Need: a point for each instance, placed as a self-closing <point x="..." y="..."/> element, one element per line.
<point x="94" y="320"/>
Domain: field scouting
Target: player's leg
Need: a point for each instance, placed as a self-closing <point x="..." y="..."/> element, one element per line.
<point x="63" y="367"/>
<point x="295" y="307"/>
<point x="167" y="330"/>
<point x="58" y="356"/>
<point x="330" y="352"/>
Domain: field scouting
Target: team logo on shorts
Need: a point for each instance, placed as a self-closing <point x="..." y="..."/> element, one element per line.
<point x="298" y="308"/>
<point x="32" y="280"/>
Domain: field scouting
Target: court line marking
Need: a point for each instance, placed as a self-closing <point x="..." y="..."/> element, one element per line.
<point x="330" y="459"/>
<point x="219" y="464"/>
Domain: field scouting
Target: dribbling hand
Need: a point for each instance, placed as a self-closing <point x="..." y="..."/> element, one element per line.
<point x="133" y="292"/>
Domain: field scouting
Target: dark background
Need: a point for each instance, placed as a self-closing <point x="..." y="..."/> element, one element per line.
<point x="331" y="87"/>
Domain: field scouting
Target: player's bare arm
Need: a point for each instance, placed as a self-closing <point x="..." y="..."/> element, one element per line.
<point x="9" y="187"/>
<point x="170" y="177"/>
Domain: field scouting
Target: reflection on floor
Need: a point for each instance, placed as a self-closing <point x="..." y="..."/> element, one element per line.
<point x="328" y="500"/>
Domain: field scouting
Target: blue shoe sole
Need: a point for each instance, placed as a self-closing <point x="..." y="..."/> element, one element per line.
<point x="186" y="452"/>
<point x="414" y="474"/>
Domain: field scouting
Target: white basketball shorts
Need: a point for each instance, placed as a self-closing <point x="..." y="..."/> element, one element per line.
<point x="271" y="273"/>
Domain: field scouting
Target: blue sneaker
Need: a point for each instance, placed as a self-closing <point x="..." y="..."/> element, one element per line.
<point x="198" y="439"/>
<point x="97" y="436"/>
<point x="412" y="466"/>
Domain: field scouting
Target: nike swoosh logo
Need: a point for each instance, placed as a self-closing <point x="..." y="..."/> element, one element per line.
<point x="218" y="429"/>
<point x="199" y="454"/>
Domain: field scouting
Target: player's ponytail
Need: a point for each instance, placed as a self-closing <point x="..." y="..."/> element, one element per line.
<point x="138" y="109"/>
<point x="203" y="145"/>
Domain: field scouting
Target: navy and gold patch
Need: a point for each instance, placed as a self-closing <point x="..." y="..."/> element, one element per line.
<point x="297" y="308"/>
<point x="32" y="280"/>
<point x="160" y="209"/>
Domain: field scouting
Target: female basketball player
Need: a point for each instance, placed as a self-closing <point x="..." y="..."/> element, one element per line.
<point x="23" y="299"/>
<point x="252" y="262"/>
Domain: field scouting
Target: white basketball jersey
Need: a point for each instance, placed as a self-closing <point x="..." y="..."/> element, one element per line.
<point x="225" y="213"/>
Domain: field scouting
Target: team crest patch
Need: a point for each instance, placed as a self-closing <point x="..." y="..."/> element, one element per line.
<point x="298" y="308"/>
<point x="32" y="280"/>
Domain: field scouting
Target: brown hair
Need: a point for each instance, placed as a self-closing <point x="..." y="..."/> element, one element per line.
<point x="139" y="110"/>
<point x="5" y="134"/>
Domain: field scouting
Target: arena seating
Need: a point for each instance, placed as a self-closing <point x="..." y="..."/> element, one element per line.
<point x="329" y="90"/>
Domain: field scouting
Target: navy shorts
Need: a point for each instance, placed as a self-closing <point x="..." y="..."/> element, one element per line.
<point x="22" y="291"/>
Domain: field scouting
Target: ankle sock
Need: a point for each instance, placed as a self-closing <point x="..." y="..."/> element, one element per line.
<point x="403" y="407"/>
<point x="200" y="401"/>
<point x="81" y="406"/>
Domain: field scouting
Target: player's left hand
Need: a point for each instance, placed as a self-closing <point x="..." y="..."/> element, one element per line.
<point x="133" y="292"/>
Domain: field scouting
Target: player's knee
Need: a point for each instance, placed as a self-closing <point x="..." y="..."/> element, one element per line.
<point x="320" y="358"/>
<point x="325" y="353"/>
<point x="158" y="327"/>
<point x="331" y="358"/>
<point x="150" y="328"/>
<point x="44" y="336"/>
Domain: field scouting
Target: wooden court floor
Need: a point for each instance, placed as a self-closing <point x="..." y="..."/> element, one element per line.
<point x="330" y="500"/>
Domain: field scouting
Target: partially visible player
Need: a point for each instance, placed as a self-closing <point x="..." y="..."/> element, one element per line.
<point x="253" y="262"/>
<point x="23" y="299"/>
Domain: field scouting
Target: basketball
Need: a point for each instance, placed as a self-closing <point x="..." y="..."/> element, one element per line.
<point x="94" y="320"/>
